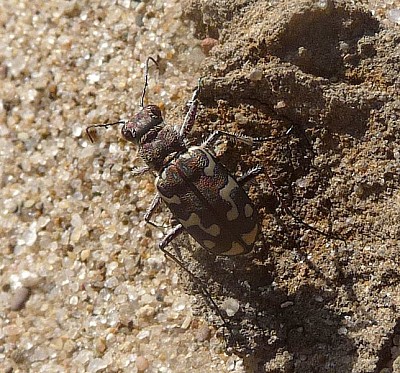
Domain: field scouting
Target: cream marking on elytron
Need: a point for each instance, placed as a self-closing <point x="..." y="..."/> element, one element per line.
<point x="194" y="220"/>
<point x="236" y="249"/>
<point x="250" y="237"/>
<point x="209" y="244"/>
<point x="174" y="199"/>
<point x="248" y="210"/>
<point x="225" y="193"/>
<point x="209" y="170"/>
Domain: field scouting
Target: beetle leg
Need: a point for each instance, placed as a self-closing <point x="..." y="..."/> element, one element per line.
<point x="249" y="175"/>
<point x="298" y="219"/>
<point x="137" y="171"/>
<point x="213" y="137"/>
<point x="237" y="137"/>
<point x="191" y="113"/>
<point x="172" y="234"/>
<point x="203" y="287"/>
<point x="151" y="209"/>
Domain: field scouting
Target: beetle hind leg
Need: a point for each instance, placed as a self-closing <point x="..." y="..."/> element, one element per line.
<point x="171" y="235"/>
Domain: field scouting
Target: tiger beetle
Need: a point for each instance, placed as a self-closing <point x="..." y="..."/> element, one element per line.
<point x="204" y="198"/>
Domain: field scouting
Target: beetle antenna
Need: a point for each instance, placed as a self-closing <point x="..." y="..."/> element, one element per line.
<point x="146" y="77"/>
<point x="106" y="125"/>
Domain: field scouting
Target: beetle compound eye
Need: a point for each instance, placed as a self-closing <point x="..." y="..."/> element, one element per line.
<point x="128" y="133"/>
<point x="155" y="112"/>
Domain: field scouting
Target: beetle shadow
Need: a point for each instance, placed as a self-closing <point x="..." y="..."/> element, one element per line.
<point x="272" y="319"/>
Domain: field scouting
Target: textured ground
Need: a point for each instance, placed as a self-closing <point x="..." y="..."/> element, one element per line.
<point x="308" y="302"/>
<point x="83" y="286"/>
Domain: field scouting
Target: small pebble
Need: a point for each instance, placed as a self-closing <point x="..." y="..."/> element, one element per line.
<point x="19" y="298"/>
<point x="142" y="363"/>
<point x="85" y="255"/>
<point x="231" y="306"/>
<point x="100" y="345"/>
<point x="393" y="15"/>
<point x="207" y="44"/>
<point x="287" y="304"/>
<point x="280" y="105"/>
<point x="396" y="364"/>
<point x="256" y="75"/>
<point x="342" y="331"/>
<point x="203" y="333"/>
<point x="319" y="299"/>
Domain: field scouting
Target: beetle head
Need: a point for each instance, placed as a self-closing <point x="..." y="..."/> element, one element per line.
<point x="147" y="122"/>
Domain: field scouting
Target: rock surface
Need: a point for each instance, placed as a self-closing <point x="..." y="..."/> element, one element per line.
<point x="330" y="71"/>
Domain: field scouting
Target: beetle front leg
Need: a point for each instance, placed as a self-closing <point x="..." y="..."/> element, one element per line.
<point x="137" y="171"/>
<point x="171" y="235"/>
<point x="191" y="113"/>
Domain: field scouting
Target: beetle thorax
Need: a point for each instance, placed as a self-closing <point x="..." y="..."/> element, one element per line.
<point x="157" y="151"/>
